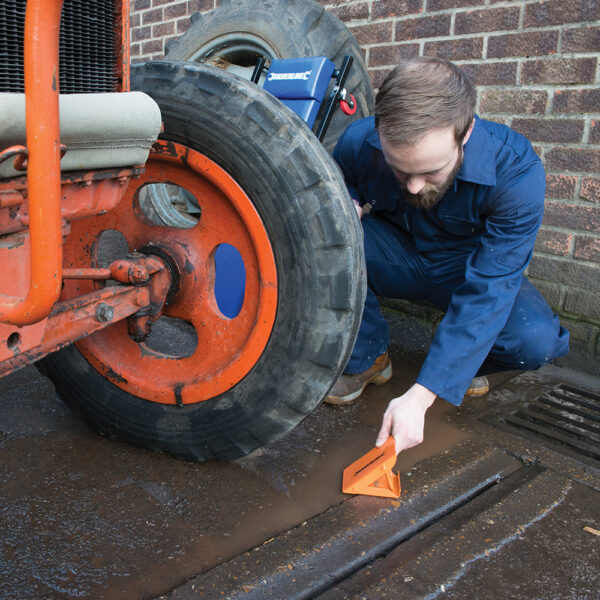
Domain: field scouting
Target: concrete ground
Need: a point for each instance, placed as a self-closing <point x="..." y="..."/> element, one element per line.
<point x="500" y="501"/>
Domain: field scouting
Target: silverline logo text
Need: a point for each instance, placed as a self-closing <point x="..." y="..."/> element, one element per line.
<point x="276" y="76"/>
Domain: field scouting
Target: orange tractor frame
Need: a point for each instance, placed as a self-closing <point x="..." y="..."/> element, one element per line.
<point x="41" y="321"/>
<point x="32" y="322"/>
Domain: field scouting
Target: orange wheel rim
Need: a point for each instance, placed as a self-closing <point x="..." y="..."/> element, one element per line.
<point x="228" y="348"/>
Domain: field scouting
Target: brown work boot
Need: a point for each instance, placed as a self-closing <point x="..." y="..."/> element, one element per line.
<point x="349" y="387"/>
<point x="480" y="386"/>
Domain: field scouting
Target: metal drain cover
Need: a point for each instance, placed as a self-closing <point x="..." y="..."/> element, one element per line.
<point x="565" y="417"/>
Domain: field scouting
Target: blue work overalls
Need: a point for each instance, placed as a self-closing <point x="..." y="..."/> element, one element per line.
<point x="466" y="255"/>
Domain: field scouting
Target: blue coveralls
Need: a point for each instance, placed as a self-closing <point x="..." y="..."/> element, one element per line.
<point x="466" y="255"/>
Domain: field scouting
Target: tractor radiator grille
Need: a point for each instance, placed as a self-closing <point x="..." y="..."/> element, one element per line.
<point x="88" y="46"/>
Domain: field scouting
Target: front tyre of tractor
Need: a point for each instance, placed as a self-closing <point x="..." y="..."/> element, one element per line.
<point x="256" y="183"/>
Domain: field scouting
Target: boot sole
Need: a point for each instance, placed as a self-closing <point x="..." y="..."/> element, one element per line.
<point x="378" y="379"/>
<point x="475" y="392"/>
<point x="478" y="390"/>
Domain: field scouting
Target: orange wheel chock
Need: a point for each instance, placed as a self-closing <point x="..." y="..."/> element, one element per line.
<point x="372" y="475"/>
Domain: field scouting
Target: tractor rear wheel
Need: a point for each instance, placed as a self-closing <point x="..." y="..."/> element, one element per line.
<point x="260" y="185"/>
<point x="237" y="33"/>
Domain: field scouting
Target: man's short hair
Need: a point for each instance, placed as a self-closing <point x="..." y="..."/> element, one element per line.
<point x="421" y="94"/>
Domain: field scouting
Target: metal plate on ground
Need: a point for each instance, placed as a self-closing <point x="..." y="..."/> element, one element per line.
<point x="565" y="418"/>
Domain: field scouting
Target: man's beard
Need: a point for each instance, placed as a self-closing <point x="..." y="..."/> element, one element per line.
<point x="430" y="195"/>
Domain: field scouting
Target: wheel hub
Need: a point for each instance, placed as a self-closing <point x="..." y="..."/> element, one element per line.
<point x="171" y="263"/>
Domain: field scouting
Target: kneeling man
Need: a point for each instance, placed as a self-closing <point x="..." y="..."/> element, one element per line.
<point x="450" y="205"/>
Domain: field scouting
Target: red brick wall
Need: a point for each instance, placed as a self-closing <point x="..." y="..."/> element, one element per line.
<point x="535" y="64"/>
<point x="155" y="22"/>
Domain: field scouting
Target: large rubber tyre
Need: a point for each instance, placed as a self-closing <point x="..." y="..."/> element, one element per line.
<point x="317" y="243"/>
<point x="240" y="31"/>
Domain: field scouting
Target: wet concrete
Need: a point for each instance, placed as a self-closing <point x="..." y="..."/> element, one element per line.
<point x="86" y="517"/>
<point x="83" y="516"/>
<point x="309" y="559"/>
<point x="555" y="557"/>
<point x="524" y="541"/>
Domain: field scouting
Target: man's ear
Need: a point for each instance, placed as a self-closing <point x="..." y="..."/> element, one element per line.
<point x="469" y="132"/>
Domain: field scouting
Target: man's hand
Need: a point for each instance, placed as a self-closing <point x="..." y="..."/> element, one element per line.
<point x="358" y="207"/>
<point x="404" y="418"/>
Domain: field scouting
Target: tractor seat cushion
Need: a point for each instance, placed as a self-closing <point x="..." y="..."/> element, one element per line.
<point x="100" y="131"/>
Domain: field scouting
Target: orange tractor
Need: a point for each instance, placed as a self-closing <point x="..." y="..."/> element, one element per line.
<point x="124" y="214"/>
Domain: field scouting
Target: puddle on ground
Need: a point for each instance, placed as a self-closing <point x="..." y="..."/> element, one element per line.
<point x="82" y="516"/>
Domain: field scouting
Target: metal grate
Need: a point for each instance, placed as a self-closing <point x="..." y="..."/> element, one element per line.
<point x="564" y="416"/>
<point x="88" y="46"/>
